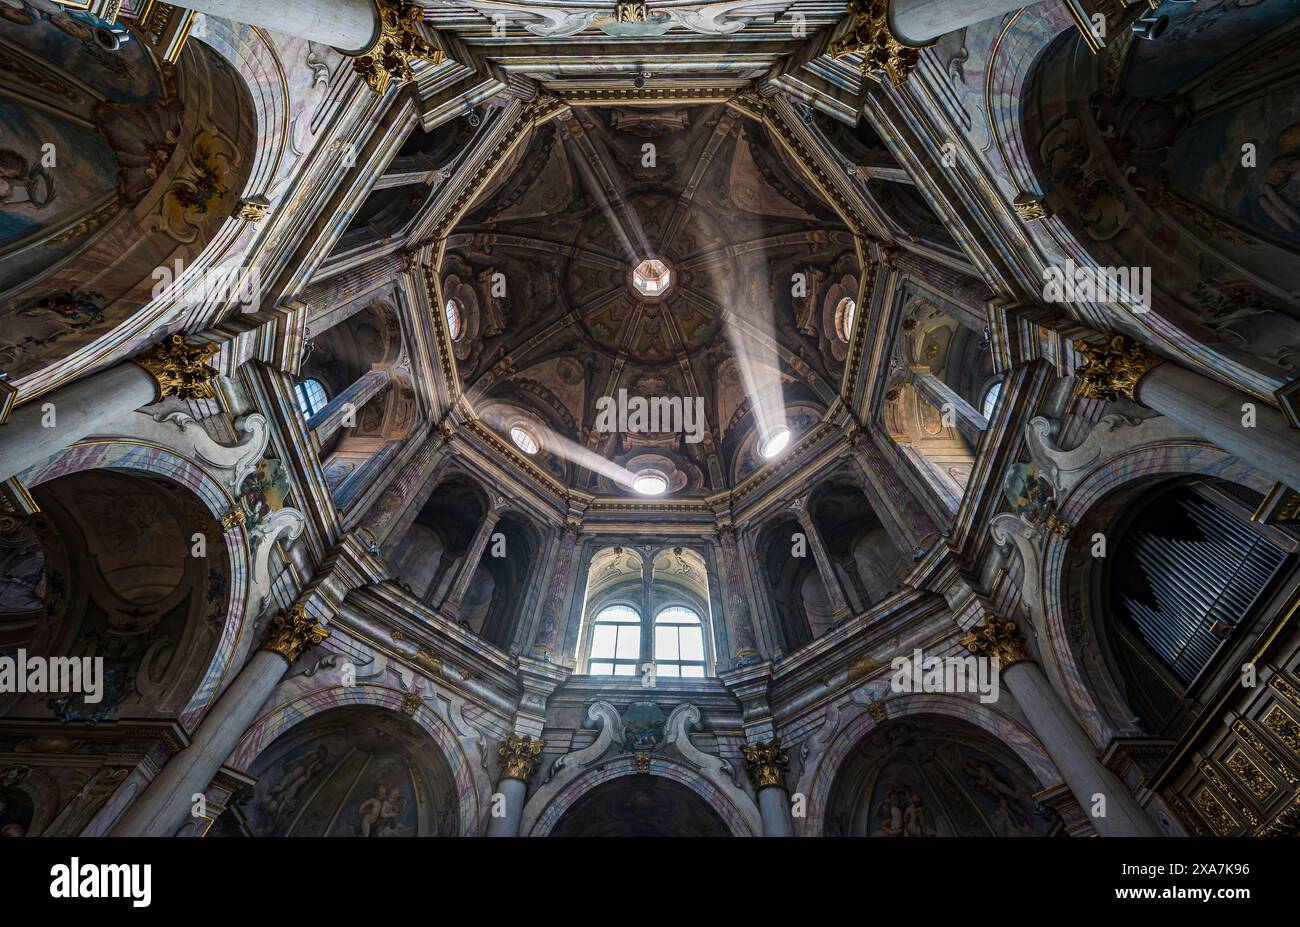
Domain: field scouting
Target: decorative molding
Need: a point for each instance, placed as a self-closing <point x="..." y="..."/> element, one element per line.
<point x="996" y="638"/>
<point x="519" y="756"/>
<point x="870" y="36"/>
<point x="767" y="763"/>
<point x="684" y="719"/>
<point x="398" y="43"/>
<point x="292" y="633"/>
<point x="180" y="369"/>
<point x="1029" y="208"/>
<point x="1111" y="371"/>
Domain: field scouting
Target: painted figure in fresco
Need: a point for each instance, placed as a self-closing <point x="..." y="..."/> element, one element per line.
<point x="370" y="810"/>
<point x="390" y="811"/>
<point x="917" y="821"/>
<point x="23" y="184"/>
<point x="1281" y="196"/>
<point x="890" y="812"/>
<point x="297" y="773"/>
<point x="1010" y="818"/>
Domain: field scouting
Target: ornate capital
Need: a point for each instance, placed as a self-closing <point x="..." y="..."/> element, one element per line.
<point x="1112" y="370"/>
<point x="995" y="638"/>
<point x="767" y="763"/>
<point x="398" y="44"/>
<point x="180" y="369"/>
<point x="1029" y="208"/>
<point x="293" y="632"/>
<point x="519" y="756"/>
<point x="870" y="36"/>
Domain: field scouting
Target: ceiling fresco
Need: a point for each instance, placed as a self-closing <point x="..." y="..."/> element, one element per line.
<point x="541" y="271"/>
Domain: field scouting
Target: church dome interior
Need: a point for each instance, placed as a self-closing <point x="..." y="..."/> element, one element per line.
<point x="455" y="418"/>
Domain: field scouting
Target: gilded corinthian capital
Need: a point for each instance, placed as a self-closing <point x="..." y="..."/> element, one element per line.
<point x="398" y="44"/>
<point x="767" y="763"/>
<point x="870" y="36"/>
<point x="291" y="633"/>
<point x="180" y="369"/>
<point x="1112" y="370"/>
<point x="995" y="638"/>
<point x="519" y="755"/>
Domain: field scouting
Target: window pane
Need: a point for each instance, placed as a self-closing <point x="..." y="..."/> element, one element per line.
<point x="677" y="614"/>
<point x="669" y="669"/>
<point x="602" y="640"/>
<point x="619" y="613"/>
<point x="692" y="644"/>
<point x="602" y="669"/>
<point x="696" y="672"/>
<point x="625" y="669"/>
<point x="991" y="399"/>
<point x="666" y="643"/>
<point x="629" y="643"/>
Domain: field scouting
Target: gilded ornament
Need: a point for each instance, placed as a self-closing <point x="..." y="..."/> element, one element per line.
<point x="180" y="369"/>
<point x="234" y="518"/>
<point x="253" y="209"/>
<point x="1029" y="208"/>
<point x="767" y="763"/>
<point x="870" y="36"/>
<point x="1057" y="526"/>
<point x="1111" y="371"/>
<point x="293" y="632"/>
<point x="996" y="638"/>
<point x="519" y="755"/>
<point x="398" y="44"/>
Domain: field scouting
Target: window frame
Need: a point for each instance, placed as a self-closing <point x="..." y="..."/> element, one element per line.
<point x="615" y="661"/>
<point x="301" y="391"/>
<point x="679" y="663"/>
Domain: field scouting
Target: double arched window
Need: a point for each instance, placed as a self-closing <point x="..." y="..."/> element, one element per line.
<point x="643" y="609"/>
<point x="677" y="642"/>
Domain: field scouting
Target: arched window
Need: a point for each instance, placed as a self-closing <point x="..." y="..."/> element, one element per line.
<point x="990" y="401"/>
<point x="845" y="315"/>
<point x="679" y="643"/>
<point x="524" y="439"/>
<point x="311" y="396"/>
<point x="615" y="641"/>
<point x="455" y="319"/>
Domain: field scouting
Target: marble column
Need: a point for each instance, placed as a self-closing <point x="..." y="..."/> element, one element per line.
<point x="49" y="423"/>
<point x="519" y="755"/>
<point x="966" y="419"/>
<point x="451" y="605"/>
<point x="163" y="806"/>
<point x="326" y="423"/>
<point x="830" y="580"/>
<point x="1123" y="369"/>
<point x="351" y="26"/>
<point x="382" y="37"/>
<point x="920" y="22"/>
<point x="1060" y="733"/>
<point x="767" y="763"/>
